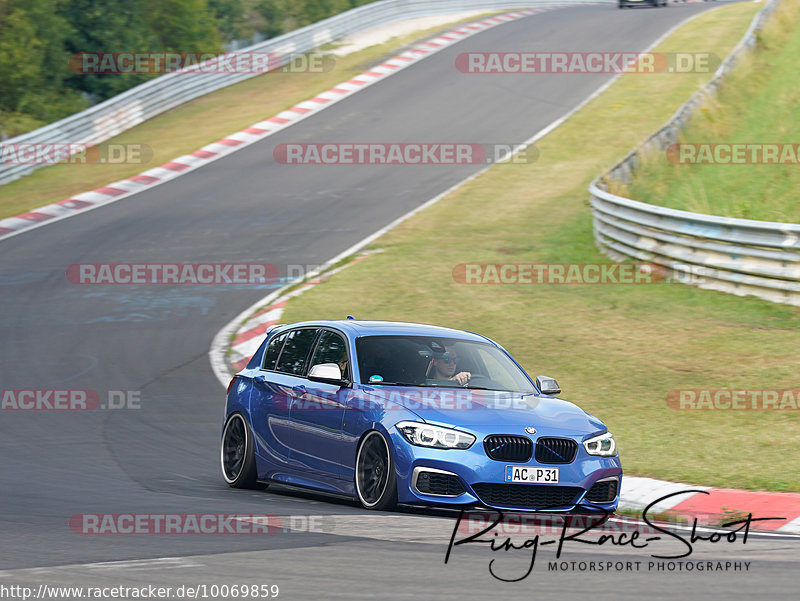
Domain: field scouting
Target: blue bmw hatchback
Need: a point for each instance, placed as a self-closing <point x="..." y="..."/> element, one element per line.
<point x="389" y="413"/>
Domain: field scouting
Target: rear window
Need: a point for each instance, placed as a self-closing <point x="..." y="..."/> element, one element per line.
<point x="272" y="352"/>
<point x="292" y="359"/>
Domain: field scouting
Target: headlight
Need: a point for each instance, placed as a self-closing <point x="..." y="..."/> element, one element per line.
<point x="426" y="435"/>
<point x="602" y="445"/>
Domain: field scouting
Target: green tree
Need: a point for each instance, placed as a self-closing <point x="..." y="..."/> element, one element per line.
<point x="141" y="26"/>
<point x="38" y="37"/>
<point x="230" y="18"/>
<point x="183" y="25"/>
<point x="32" y="65"/>
<point x="107" y="26"/>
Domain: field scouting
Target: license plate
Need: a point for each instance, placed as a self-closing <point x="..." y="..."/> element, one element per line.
<point x="532" y="475"/>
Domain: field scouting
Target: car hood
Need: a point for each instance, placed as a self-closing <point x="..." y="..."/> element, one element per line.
<point x="490" y="411"/>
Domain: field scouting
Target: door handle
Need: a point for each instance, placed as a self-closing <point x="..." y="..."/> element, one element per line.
<point x="300" y="389"/>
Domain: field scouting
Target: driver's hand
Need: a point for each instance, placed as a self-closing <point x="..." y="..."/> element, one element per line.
<point x="462" y="377"/>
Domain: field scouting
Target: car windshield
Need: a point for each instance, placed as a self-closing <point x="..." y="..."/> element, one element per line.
<point x="437" y="362"/>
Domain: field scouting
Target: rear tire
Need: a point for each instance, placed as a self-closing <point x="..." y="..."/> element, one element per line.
<point x="375" y="478"/>
<point x="237" y="457"/>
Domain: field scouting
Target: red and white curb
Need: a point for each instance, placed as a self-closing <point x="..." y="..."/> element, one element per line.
<point x="80" y="203"/>
<point x="713" y="505"/>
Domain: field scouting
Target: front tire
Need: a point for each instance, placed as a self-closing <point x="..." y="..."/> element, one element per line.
<point x="237" y="457"/>
<point x="376" y="481"/>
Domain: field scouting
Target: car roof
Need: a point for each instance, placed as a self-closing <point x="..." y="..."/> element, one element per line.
<point x="358" y="328"/>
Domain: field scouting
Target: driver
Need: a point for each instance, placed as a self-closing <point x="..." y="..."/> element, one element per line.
<point x="443" y="367"/>
<point x="342" y="363"/>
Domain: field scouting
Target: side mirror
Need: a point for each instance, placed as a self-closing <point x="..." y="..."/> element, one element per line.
<point x="328" y="373"/>
<point x="547" y="385"/>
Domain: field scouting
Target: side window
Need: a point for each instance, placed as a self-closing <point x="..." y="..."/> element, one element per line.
<point x="332" y="348"/>
<point x="272" y="352"/>
<point x="292" y="359"/>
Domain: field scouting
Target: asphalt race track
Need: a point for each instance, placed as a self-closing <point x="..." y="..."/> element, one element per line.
<point x="154" y="340"/>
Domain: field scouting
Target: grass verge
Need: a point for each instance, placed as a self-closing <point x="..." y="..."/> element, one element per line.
<point x="754" y="106"/>
<point x="617" y="350"/>
<point x="195" y="124"/>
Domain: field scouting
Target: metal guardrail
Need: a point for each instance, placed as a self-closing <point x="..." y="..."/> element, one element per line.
<point x="739" y="256"/>
<point x="117" y="114"/>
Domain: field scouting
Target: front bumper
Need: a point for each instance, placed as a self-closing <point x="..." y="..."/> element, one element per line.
<point x="475" y="470"/>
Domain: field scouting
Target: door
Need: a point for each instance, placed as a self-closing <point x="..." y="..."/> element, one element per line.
<point x="279" y="381"/>
<point x="316" y="416"/>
